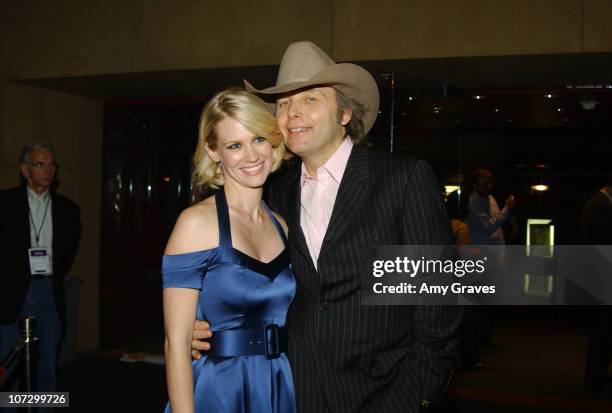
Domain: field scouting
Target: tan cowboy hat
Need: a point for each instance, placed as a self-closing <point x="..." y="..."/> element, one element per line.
<point x="304" y="65"/>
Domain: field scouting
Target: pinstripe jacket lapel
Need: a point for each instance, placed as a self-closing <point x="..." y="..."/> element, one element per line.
<point x="353" y="190"/>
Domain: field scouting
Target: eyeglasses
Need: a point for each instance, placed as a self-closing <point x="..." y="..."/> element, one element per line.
<point x="41" y="165"/>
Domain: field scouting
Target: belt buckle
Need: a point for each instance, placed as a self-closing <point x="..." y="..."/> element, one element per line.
<point x="271" y="341"/>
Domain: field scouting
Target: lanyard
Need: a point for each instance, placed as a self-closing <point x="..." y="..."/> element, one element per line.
<point x="39" y="230"/>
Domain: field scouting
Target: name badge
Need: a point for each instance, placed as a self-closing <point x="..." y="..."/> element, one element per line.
<point x="40" y="264"/>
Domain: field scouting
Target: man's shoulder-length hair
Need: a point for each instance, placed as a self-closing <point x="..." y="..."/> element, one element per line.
<point x="355" y="127"/>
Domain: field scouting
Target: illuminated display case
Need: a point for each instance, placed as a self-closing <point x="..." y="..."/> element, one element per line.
<point x="540" y="243"/>
<point x="540" y="238"/>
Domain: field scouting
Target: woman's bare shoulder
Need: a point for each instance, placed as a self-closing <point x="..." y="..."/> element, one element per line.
<point x="196" y="229"/>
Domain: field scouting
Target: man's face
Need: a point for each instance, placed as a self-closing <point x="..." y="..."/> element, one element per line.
<point x="484" y="185"/>
<point x="39" y="171"/>
<point x="309" y="122"/>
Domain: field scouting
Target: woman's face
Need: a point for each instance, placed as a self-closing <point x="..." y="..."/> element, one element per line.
<point x="246" y="158"/>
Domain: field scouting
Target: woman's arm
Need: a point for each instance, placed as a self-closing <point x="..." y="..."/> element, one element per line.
<point x="195" y="230"/>
<point x="179" y="316"/>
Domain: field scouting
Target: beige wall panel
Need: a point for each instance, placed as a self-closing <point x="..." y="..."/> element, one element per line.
<point x="71" y="123"/>
<point x="66" y="38"/>
<point x="8" y="161"/>
<point x="5" y="41"/>
<point x="87" y="324"/>
<point x="388" y="29"/>
<point x="74" y="125"/>
<point x="209" y="33"/>
<point x="597" y="25"/>
<point x="89" y="200"/>
<point x="84" y="189"/>
<point x="3" y="86"/>
<point x="8" y="177"/>
<point x="21" y="114"/>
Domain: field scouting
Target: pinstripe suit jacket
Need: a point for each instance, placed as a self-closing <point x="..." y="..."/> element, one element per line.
<point x="351" y="358"/>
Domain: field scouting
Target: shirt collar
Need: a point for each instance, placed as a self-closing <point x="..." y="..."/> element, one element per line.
<point x="33" y="196"/>
<point x="335" y="165"/>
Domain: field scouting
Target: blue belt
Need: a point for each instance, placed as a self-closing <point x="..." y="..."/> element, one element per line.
<point x="269" y="341"/>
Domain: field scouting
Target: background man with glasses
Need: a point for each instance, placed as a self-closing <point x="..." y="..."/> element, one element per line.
<point x="39" y="235"/>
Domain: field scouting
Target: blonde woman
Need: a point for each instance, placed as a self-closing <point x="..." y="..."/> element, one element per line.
<point x="227" y="262"/>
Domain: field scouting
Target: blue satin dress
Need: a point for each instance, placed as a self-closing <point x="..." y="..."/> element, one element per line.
<point x="237" y="292"/>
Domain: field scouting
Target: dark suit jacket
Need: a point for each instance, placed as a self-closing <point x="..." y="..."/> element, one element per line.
<point x="351" y="358"/>
<point x="14" y="243"/>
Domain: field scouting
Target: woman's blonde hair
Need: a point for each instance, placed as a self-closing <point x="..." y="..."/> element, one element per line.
<point x="248" y="110"/>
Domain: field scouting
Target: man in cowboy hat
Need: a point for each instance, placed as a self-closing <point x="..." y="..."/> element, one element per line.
<point x="341" y="197"/>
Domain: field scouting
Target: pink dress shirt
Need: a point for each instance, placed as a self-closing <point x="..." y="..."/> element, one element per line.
<point x="318" y="195"/>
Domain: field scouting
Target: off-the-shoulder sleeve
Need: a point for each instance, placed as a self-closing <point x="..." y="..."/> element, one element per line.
<point x="185" y="270"/>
